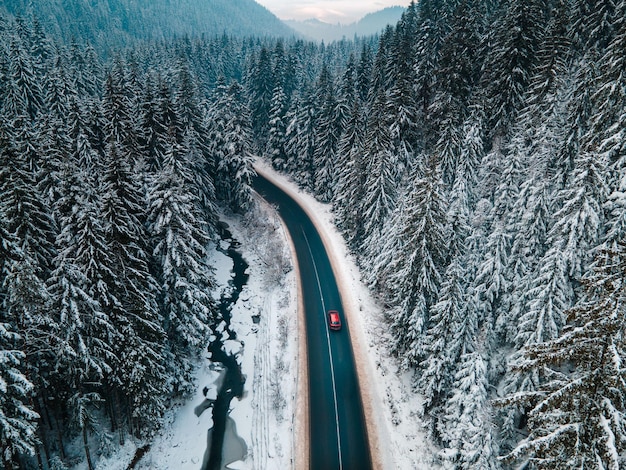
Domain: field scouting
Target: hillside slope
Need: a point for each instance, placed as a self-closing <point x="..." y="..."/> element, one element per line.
<point x="109" y="24"/>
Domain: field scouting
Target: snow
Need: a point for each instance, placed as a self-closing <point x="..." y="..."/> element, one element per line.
<point x="270" y="417"/>
<point x="397" y="436"/>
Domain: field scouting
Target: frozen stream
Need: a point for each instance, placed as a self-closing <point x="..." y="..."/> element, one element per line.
<point x="224" y="446"/>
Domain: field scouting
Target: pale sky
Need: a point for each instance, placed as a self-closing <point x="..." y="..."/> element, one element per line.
<point x="330" y="11"/>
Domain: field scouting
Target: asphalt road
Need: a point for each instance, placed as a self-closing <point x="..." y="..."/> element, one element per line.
<point x="338" y="438"/>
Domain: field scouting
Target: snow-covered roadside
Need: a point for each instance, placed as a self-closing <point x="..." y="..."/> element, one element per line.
<point x="265" y="417"/>
<point x="267" y="346"/>
<point x="266" y="330"/>
<point x="391" y="407"/>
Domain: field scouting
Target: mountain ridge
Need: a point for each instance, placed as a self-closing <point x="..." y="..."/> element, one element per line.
<point x="111" y="24"/>
<point x="370" y="24"/>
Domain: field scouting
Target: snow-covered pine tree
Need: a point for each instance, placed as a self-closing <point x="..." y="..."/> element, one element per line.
<point x="530" y="231"/>
<point x="382" y="178"/>
<point x="535" y="142"/>
<point x="578" y="221"/>
<point x="327" y="133"/>
<point x="454" y="320"/>
<point x="351" y="176"/>
<point x="450" y="334"/>
<point x="301" y="139"/>
<point x="455" y="75"/>
<point x="83" y="355"/>
<point x="472" y="152"/>
<point x="577" y="417"/>
<point x="23" y="97"/>
<point x="153" y="131"/>
<point x="231" y="147"/>
<point x="497" y="186"/>
<point x="418" y="265"/>
<point x="276" y="141"/>
<point x="184" y="278"/>
<point x="427" y="42"/>
<point x="364" y="73"/>
<point x="120" y="111"/>
<point x="381" y="66"/>
<point x="592" y="23"/>
<point x="195" y="138"/>
<point x="402" y="105"/>
<point x="549" y="289"/>
<point x="513" y="41"/>
<point x="610" y="123"/>
<point x="467" y="429"/>
<point x="24" y="207"/>
<point x="261" y="83"/>
<point x="81" y="417"/>
<point x="128" y="295"/>
<point x="18" y="421"/>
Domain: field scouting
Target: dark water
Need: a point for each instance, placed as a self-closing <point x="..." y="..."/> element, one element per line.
<point x="233" y="380"/>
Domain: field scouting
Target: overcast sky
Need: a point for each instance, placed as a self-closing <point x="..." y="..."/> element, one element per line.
<point x="331" y="11"/>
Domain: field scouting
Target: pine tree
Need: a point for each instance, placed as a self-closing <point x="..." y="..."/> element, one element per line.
<point x="417" y="268"/>
<point x="592" y="26"/>
<point x="153" y="138"/>
<point x="471" y="154"/>
<point x="23" y="97"/>
<point x="364" y="73"/>
<point x="126" y="290"/>
<point x="426" y="46"/>
<point x="83" y="356"/>
<point x="231" y="147"/>
<point x="512" y="54"/>
<point x="277" y="133"/>
<point x="453" y="318"/>
<point x="25" y="208"/>
<point x="466" y="431"/>
<point x="381" y="182"/>
<point x="491" y="283"/>
<point x="530" y="233"/>
<point x="301" y="139"/>
<point x="18" y="421"/>
<point x="119" y="110"/>
<point x="402" y="105"/>
<point x="82" y="418"/>
<point x="576" y="418"/>
<point x="610" y="124"/>
<point x="327" y="133"/>
<point x="351" y="176"/>
<point x="195" y="138"/>
<point x="455" y="76"/>
<point x="184" y="278"/>
<point x="261" y="85"/>
<point x="451" y="333"/>
<point x="580" y="217"/>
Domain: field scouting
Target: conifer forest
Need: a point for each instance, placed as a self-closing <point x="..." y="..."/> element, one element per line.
<point x="474" y="156"/>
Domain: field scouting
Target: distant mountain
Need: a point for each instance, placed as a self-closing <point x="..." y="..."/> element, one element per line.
<point x="371" y="23"/>
<point x="113" y="23"/>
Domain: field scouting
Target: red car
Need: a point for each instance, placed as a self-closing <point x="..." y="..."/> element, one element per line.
<point x="334" y="322"/>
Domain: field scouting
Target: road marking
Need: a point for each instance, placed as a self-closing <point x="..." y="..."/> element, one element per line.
<point x="330" y="352"/>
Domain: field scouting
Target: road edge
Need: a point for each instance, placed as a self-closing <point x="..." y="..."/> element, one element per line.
<point x="364" y="375"/>
<point x="301" y="416"/>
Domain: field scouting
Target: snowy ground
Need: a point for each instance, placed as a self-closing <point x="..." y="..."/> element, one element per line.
<point x="269" y="417"/>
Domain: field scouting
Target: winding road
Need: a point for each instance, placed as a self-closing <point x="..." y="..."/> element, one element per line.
<point x="337" y="430"/>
